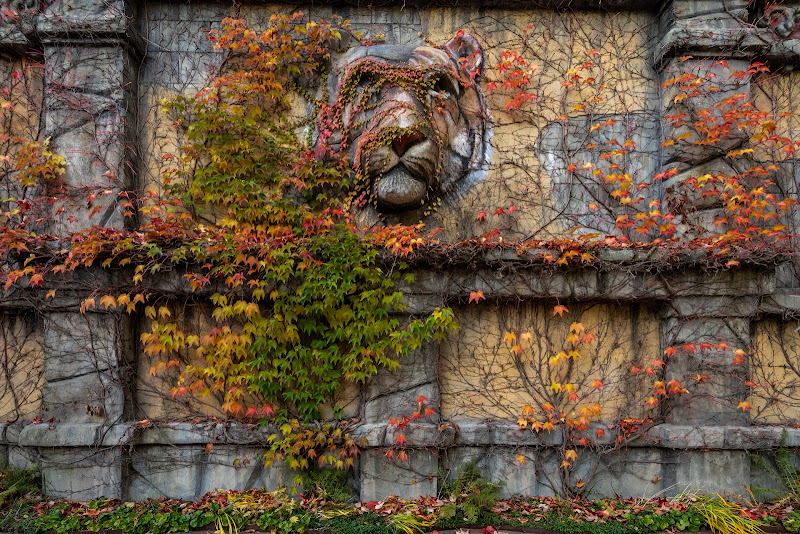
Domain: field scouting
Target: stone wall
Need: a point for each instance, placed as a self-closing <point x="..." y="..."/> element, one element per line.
<point x="104" y="425"/>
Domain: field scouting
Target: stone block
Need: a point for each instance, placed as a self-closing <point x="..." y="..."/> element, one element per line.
<point x="713" y="401"/>
<point x="165" y="471"/>
<point x="499" y="465"/>
<point x="678" y="191"/>
<point x="538" y="476"/>
<point x="90" y="70"/>
<point x="60" y="435"/>
<point x="23" y="457"/>
<point x="186" y="72"/>
<point x="763" y="480"/>
<point x="80" y="344"/>
<point x="628" y="473"/>
<point x="723" y="282"/>
<point x="752" y="438"/>
<point x="95" y="397"/>
<point x="102" y="17"/>
<point x="720" y="307"/>
<point x="81" y="474"/>
<point x="381" y="477"/>
<point x="628" y="286"/>
<point x="711" y="471"/>
<point x="689" y="437"/>
<point x="418" y="435"/>
<point x="374" y="433"/>
<point x="395" y="393"/>
<point x="698" y="329"/>
<point x="242" y="468"/>
<point x="179" y="434"/>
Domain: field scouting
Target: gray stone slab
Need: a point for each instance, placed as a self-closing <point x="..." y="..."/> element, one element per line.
<point x="96" y="397"/>
<point x="632" y="473"/>
<point x="165" y="471"/>
<point x="381" y="477"/>
<point x="80" y="344"/>
<point x="711" y="471"/>
<point x="242" y="468"/>
<point x="82" y="474"/>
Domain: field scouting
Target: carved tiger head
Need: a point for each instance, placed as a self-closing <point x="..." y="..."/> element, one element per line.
<point x="414" y="122"/>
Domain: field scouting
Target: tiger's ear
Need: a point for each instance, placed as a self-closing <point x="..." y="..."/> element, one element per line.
<point x="467" y="52"/>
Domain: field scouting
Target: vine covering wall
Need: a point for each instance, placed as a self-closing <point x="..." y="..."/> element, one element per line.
<point x="243" y="241"/>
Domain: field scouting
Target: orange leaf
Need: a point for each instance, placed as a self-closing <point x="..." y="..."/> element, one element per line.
<point x="745" y="406"/>
<point x="475" y="296"/>
<point x="560" y="310"/>
<point x="520" y="458"/>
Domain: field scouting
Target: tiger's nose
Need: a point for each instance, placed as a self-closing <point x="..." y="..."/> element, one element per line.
<point x="405" y="141"/>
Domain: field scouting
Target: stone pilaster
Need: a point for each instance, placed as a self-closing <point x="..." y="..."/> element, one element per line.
<point x="708" y="320"/>
<point x="90" y="94"/>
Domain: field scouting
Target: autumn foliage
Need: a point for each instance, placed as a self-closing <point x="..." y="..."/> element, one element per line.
<point x="253" y="216"/>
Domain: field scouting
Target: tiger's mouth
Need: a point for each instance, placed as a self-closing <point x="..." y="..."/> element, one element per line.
<point x="399" y="190"/>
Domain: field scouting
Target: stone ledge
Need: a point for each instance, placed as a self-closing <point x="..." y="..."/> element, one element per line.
<point x="73" y="435"/>
<point x="420" y="435"/>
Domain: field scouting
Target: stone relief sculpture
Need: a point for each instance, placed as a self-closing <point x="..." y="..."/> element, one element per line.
<point x="414" y="122"/>
<point x="784" y="20"/>
<point x="19" y="5"/>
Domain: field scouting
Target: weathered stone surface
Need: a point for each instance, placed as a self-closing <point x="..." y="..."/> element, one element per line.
<point x="243" y="468"/>
<point x="99" y="18"/>
<point x="714" y="400"/>
<point x="629" y="473"/>
<point x="165" y="470"/>
<point x="87" y="106"/>
<point x="561" y="144"/>
<point x="709" y="306"/>
<point x="689" y="437"/>
<point x="179" y="434"/>
<point x="703" y="32"/>
<point x="537" y="476"/>
<point x="82" y="473"/>
<point x="679" y="192"/>
<point x="80" y="344"/>
<point x="713" y="471"/>
<point x="396" y="392"/>
<point x="188" y="472"/>
<point x="763" y="476"/>
<point x="380" y="476"/>
<point x="94" y="397"/>
<point x="686" y="153"/>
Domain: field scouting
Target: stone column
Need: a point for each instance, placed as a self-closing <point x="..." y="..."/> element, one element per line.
<point x="90" y="84"/>
<point x="715" y="309"/>
<point x="394" y="394"/>
<point x="711" y="320"/>
<point x="90" y="91"/>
